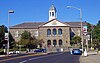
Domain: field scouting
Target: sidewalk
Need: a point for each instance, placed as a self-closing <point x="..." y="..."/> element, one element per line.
<point x="2" y="55"/>
<point x="91" y="59"/>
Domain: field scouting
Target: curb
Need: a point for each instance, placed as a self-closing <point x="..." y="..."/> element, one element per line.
<point x="2" y="55"/>
<point x="80" y="60"/>
<point x="26" y="53"/>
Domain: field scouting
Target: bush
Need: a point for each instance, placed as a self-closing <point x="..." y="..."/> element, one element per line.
<point x="2" y="53"/>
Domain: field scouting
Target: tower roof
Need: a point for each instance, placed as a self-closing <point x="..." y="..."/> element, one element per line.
<point x="52" y="7"/>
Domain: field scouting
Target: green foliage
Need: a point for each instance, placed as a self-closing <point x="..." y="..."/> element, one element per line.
<point x="98" y="24"/>
<point x="11" y="41"/>
<point x="1" y="34"/>
<point x="24" y="41"/>
<point x="27" y="40"/>
<point x="96" y="34"/>
<point x="76" y="40"/>
<point x="89" y="29"/>
<point x="3" y="30"/>
<point x="25" y="35"/>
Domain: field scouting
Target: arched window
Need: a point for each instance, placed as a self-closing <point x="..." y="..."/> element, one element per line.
<point x="49" y="42"/>
<point x="48" y="32"/>
<point x="54" y="43"/>
<point x="60" y="42"/>
<point x="52" y="13"/>
<point x="60" y="31"/>
<point x="54" y="31"/>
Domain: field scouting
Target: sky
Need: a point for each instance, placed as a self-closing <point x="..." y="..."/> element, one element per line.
<point x="38" y="11"/>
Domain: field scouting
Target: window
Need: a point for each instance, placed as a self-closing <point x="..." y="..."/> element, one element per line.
<point x="60" y="42"/>
<point x="49" y="42"/>
<point x="36" y="33"/>
<point x="79" y="34"/>
<point x="54" y="31"/>
<point x="52" y="13"/>
<point x="54" y="43"/>
<point x="48" y="32"/>
<point x="60" y="31"/>
<point x="16" y="34"/>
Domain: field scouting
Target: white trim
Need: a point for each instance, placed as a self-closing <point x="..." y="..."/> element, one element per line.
<point x="55" y="23"/>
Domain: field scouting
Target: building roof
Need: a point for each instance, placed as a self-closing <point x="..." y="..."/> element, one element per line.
<point x="52" y="7"/>
<point x="28" y="25"/>
<point x="33" y="25"/>
<point x="76" y="24"/>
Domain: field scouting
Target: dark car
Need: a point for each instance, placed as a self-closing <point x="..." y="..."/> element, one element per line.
<point x="40" y="50"/>
<point x="76" y="52"/>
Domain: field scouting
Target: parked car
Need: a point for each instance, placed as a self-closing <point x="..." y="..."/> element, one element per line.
<point x="11" y="52"/>
<point x="40" y="50"/>
<point x="16" y="52"/>
<point x="76" y="52"/>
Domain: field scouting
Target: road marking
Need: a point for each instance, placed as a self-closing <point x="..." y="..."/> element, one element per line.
<point x="30" y="59"/>
<point x="21" y="57"/>
<point x="46" y="56"/>
<point x="23" y="61"/>
<point x="42" y="57"/>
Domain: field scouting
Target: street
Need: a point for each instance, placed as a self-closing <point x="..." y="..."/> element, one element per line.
<point x="46" y="58"/>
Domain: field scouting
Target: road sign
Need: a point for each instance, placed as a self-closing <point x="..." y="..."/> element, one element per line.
<point x="6" y="36"/>
<point x="84" y="29"/>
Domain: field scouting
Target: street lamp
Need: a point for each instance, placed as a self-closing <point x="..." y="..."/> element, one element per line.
<point x="10" y="11"/>
<point x="80" y="21"/>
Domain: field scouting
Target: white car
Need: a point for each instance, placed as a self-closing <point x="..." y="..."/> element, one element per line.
<point x="14" y="52"/>
<point x="17" y="52"/>
<point x="11" y="52"/>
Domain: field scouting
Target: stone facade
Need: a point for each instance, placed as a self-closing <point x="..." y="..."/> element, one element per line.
<point x="40" y="32"/>
<point x="16" y="33"/>
<point x="65" y="37"/>
<point x="54" y="33"/>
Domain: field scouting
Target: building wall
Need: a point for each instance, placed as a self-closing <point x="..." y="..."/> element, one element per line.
<point x="65" y="37"/>
<point x="41" y="33"/>
<point x="76" y="30"/>
<point x="16" y="33"/>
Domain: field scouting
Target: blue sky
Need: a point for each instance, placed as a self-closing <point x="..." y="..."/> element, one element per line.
<point x="37" y="10"/>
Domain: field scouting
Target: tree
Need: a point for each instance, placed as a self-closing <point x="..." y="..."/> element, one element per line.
<point x="28" y="41"/>
<point x="34" y="42"/>
<point x="3" y="30"/>
<point x="26" y="35"/>
<point x="1" y="35"/>
<point x="25" y="38"/>
<point x="11" y="41"/>
<point x="98" y="24"/>
<point x="76" y="40"/>
<point x="41" y="43"/>
<point x="89" y="29"/>
<point x="96" y="34"/>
